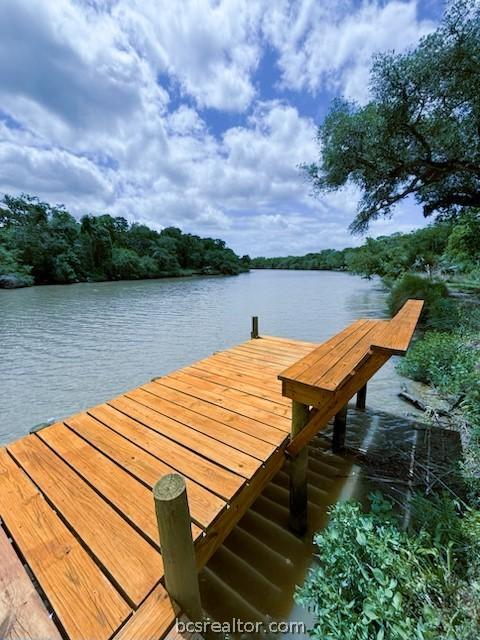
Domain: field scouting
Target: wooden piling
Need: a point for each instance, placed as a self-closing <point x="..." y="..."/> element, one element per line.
<point x="339" y="430"/>
<point x="298" y="473"/>
<point x="254" y="331"/>
<point x="362" y="398"/>
<point x="178" y="554"/>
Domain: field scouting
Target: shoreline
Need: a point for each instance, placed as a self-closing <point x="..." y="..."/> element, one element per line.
<point x="195" y="274"/>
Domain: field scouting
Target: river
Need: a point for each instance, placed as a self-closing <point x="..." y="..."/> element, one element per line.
<point x="64" y="348"/>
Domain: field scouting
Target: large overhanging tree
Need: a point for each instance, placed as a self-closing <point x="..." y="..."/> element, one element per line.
<point x="420" y="133"/>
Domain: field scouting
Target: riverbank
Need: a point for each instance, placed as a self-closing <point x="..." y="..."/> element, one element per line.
<point x="45" y="244"/>
<point x="14" y="281"/>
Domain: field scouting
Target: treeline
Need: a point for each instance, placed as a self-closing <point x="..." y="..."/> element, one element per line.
<point x="448" y="247"/>
<point x="45" y="244"/>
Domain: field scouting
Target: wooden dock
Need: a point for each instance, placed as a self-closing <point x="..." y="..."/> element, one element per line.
<point x="76" y="497"/>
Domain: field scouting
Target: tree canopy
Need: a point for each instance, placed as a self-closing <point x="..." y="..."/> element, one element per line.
<point x="445" y="247"/>
<point x="41" y="244"/>
<point x="419" y="135"/>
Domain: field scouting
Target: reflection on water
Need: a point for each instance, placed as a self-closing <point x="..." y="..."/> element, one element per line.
<point x="64" y="348"/>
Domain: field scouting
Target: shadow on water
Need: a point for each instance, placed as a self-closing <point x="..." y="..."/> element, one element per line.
<point x="253" y="575"/>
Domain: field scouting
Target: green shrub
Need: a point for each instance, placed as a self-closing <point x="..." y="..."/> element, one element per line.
<point x="377" y="582"/>
<point x="444" y="360"/>
<point x="417" y="287"/>
<point x="450" y="361"/>
<point x="10" y="265"/>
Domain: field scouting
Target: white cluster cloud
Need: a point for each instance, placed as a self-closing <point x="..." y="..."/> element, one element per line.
<point x="112" y="105"/>
<point x="330" y="44"/>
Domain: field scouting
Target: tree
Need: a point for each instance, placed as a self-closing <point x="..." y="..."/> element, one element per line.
<point x="463" y="243"/>
<point x="419" y="135"/>
<point x="41" y="243"/>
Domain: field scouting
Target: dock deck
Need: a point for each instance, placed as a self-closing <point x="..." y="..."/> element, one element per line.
<point x="76" y="497"/>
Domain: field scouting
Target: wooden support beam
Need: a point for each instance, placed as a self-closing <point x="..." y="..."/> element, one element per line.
<point x="298" y="472"/>
<point x="176" y="543"/>
<point x="254" y="331"/>
<point x="362" y="398"/>
<point x="339" y="430"/>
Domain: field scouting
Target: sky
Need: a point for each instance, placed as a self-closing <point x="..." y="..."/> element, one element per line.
<point x="193" y="113"/>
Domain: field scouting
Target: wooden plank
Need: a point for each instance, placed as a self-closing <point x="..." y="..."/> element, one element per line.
<point x="396" y="335"/>
<point x="153" y="618"/>
<point x="173" y="404"/>
<point x="293" y="341"/>
<point x="283" y="346"/>
<point x="214" y="450"/>
<point x="131" y="498"/>
<point x="240" y="382"/>
<point x="300" y="370"/>
<point x="204" y="505"/>
<point x="86" y="603"/>
<point x="266" y="371"/>
<point x="129" y="559"/>
<point x="263" y="364"/>
<point x="253" y="354"/>
<point x="279" y="350"/>
<point x="337" y="401"/>
<point x="226" y="411"/>
<point x="215" y="478"/>
<point x="244" y="405"/>
<point x="224" y="387"/>
<point x="345" y="360"/>
<point x="241" y="370"/>
<point x="23" y="615"/>
<point x="227" y="521"/>
<point x="306" y="394"/>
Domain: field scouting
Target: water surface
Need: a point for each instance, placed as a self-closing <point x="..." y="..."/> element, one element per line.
<point x="64" y="348"/>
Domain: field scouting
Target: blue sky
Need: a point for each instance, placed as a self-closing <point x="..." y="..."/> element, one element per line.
<point x="193" y="113"/>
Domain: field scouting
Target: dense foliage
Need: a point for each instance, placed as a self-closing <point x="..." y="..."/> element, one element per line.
<point x="449" y="360"/>
<point x="41" y="244"/>
<point x="443" y="248"/>
<point x="419" y="135"/>
<point x="375" y="581"/>
<point x="437" y="307"/>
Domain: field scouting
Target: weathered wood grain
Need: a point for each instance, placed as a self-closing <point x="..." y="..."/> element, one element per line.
<point x="129" y="559"/>
<point x="23" y="615"/>
<point x="86" y="603"/>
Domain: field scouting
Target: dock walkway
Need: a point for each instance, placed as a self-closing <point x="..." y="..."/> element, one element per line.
<point x="76" y="497"/>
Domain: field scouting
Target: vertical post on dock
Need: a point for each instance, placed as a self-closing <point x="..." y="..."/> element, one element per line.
<point x="362" y="398"/>
<point x="339" y="430"/>
<point x="176" y="543"/>
<point x="298" y="473"/>
<point x="254" y="331"/>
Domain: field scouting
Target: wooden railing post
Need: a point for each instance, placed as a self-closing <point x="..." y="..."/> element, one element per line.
<point x="176" y="543"/>
<point x="362" y="398"/>
<point x="254" y="331"/>
<point x="298" y="473"/>
<point x="339" y="430"/>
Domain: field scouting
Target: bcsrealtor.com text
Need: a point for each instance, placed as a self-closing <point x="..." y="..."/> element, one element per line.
<point x="241" y="626"/>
